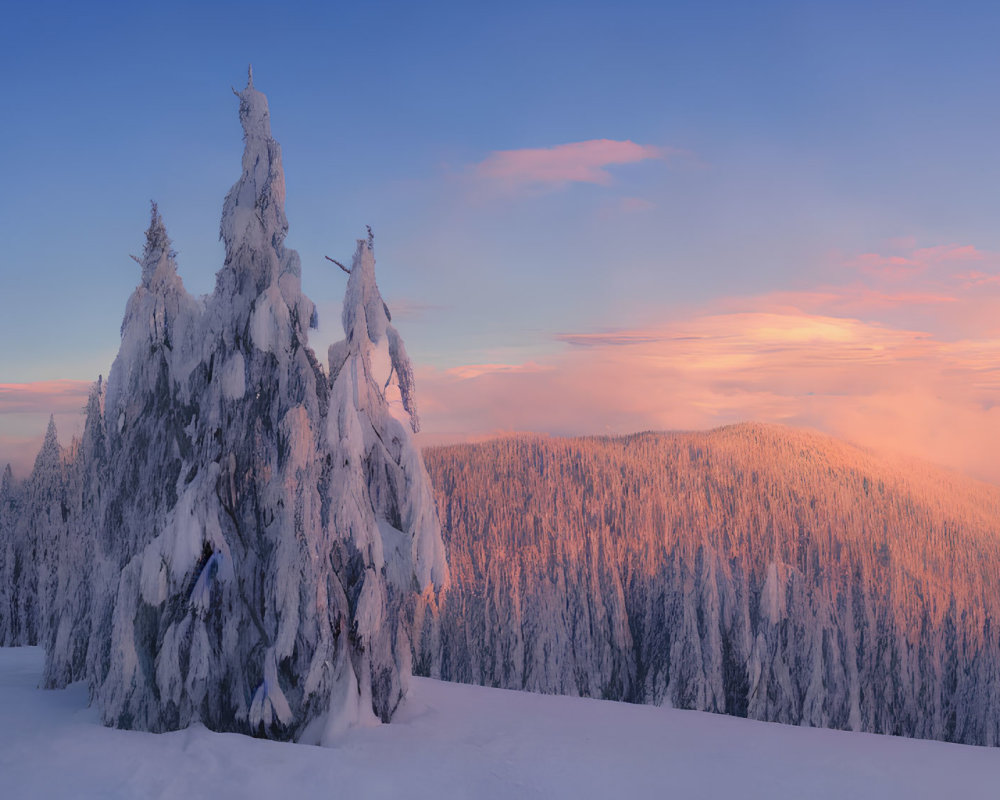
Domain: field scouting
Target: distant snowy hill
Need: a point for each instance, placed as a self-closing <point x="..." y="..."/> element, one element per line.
<point x="752" y="570"/>
<point x="453" y="741"/>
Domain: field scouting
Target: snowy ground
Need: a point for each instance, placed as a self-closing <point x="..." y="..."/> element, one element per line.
<point x="463" y="741"/>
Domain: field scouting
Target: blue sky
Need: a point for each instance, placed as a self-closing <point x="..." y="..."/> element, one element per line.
<point x="792" y="138"/>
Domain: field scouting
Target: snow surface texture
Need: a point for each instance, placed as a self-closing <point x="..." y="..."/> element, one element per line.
<point x="455" y="741"/>
<point x="213" y="548"/>
<point x="753" y="570"/>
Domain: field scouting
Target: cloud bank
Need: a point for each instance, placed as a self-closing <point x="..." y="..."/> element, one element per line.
<point x="836" y="358"/>
<point x="903" y="355"/>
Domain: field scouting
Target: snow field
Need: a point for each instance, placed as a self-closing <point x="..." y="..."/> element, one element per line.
<point x="457" y="741"/>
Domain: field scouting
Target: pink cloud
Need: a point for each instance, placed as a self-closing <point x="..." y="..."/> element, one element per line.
<point x="612" y="338"/>
<point x="635" y="205"/>
<point x="948" y="253"/>
<point x="975" y="278"/>
<point x="46" y="397"/>
<point x="894" y="388"/>
<point x="887" y="266"/>
<point x="904" y="357"/>
<point x="917" y="260"/>
<point x="854" y="299"/>
<point x="920" y="287"/>
<point x="576" y="162"/>
<point x="467" y="371"/>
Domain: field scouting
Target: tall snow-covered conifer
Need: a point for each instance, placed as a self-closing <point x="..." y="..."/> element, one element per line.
<point x="384" y="504"/>
<point x="36" y="537"/>
<point x="16" y="626"/>
<point x="256" y="532"/>
<point x="144" y="446"/>
<point x="68" y="632"/>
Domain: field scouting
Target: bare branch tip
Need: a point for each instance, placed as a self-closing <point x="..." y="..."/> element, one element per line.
<point x="338" y="264"/>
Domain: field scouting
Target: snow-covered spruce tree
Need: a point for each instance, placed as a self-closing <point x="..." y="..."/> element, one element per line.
<point x="262" y="537"/>
<point x="68" y="628"/>
<point x="13" y="630"/>
<point x="139" y="461"/>
<point x="383" y="498"/>
<point x="35" y="518"/>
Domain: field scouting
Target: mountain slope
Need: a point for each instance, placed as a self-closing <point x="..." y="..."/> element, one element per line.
<point x="752" y="570"/>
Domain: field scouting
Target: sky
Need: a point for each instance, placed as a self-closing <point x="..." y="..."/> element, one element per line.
<point x="590" y="217"/>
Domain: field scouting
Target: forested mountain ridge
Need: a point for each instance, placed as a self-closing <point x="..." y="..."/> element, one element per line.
<point x="753" y="570"/>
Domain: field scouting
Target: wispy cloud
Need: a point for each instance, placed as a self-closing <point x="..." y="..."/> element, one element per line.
<point x="915" y="261"/>
<point x="467" y="371"/>
<point x="907" y="359"/>
<point x="854" y="360"/>
<point x="554" y="167"/>
<point x="608" y="338"/>
<point x="48" y="397"/>
<point x="949" y="254"/>
<point x="974" y="278"/>
<point x="403" y="308"/>
<point x="854" y="299"/>
<point x="635" y="205"/>
<point x="887" y="266"/>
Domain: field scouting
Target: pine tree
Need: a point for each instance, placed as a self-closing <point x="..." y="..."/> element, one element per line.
<point x="255" y="562"/>
<point x="11" y="564"/>
<point x="69" y="632"/>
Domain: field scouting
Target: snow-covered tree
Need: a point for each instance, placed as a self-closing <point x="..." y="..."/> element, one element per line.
<point x="32" y="545"/>
<point x="256" y="532"/>
<point x="752" y="570"/>
<point x="384" y="507"/>
<point x="16" y="627"/>
<point x="68" y="630"/>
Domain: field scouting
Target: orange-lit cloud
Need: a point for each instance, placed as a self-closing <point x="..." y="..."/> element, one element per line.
<point x="890" y="387"/>
<point x="952" y="291"/>
<point x="907" y="361"/>
<point x="576" y="162"/>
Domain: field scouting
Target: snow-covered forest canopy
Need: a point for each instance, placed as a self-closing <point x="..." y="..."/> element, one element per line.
<point x="752" y="570"/>
<point x="241" y="533"/>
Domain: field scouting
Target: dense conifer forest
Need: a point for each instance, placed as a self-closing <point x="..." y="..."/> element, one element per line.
<point x="752" y="570"/>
